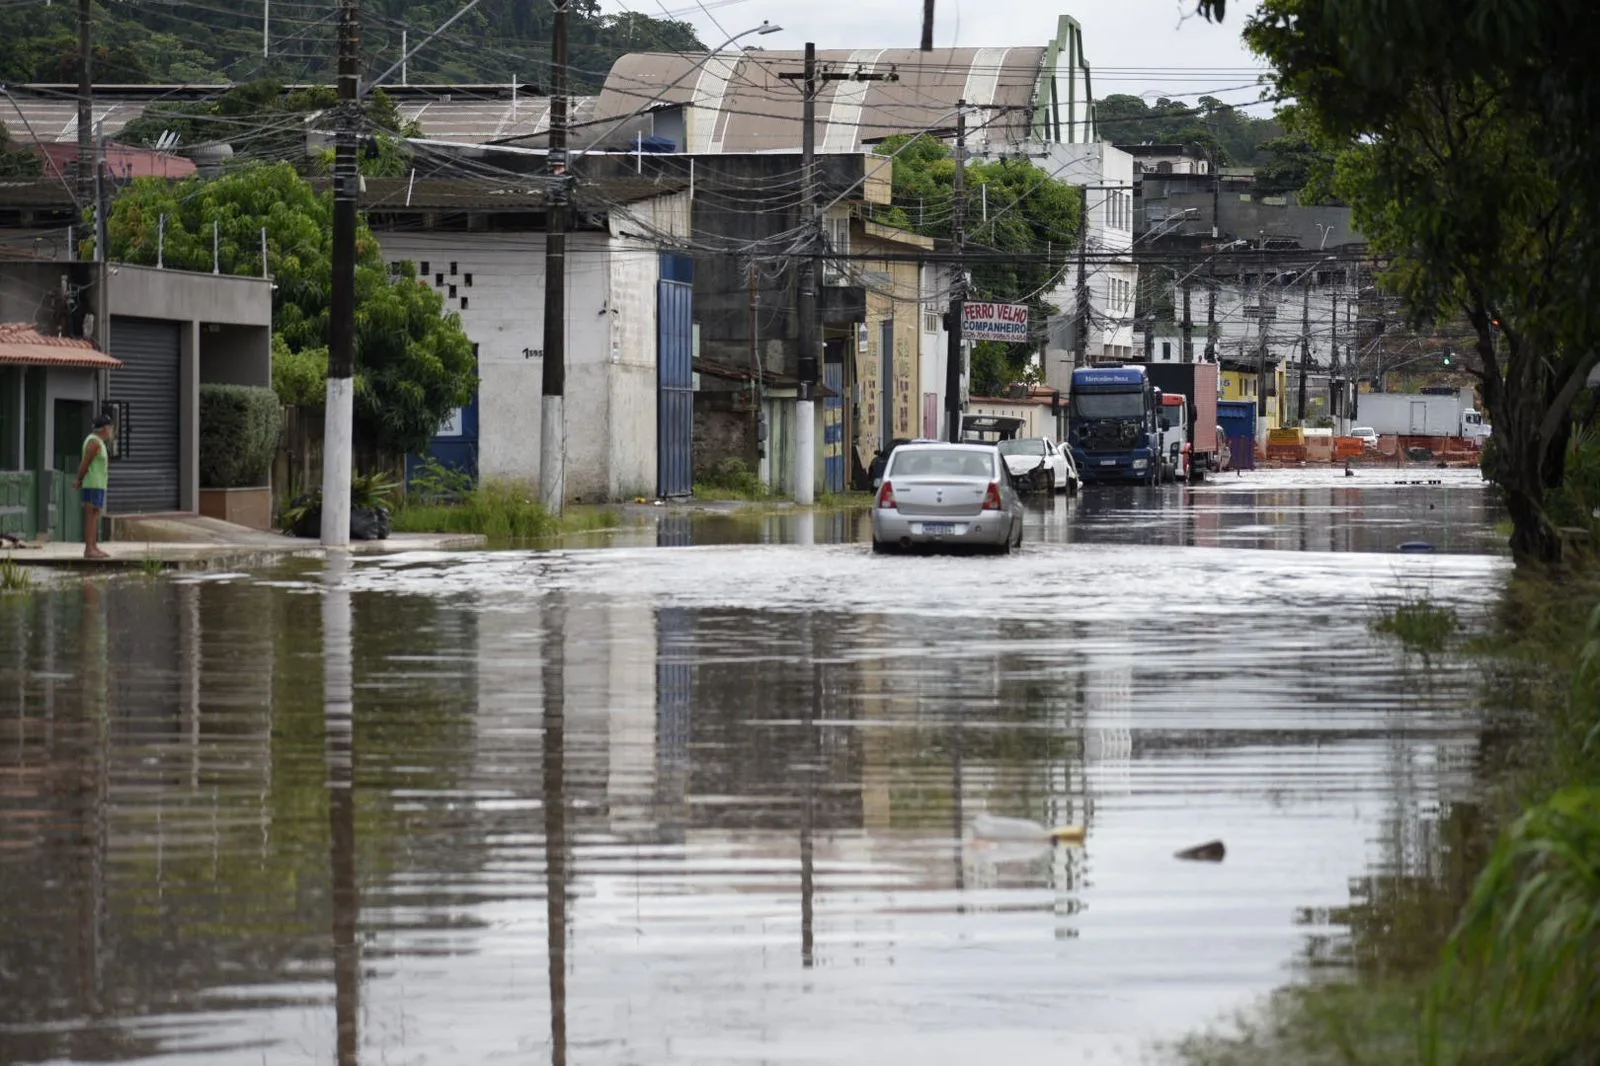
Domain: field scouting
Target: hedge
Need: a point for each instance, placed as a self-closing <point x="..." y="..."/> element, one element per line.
<point x="239" y="430"/>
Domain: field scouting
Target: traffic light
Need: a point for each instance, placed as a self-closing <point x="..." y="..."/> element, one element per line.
<point x="1448" y="356"/>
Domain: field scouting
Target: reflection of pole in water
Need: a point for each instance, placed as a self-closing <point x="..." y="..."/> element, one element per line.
<point x="94" y="787"/>
<point x="813" y="750"/>
<point x="555" y="825"/>
<point x="338" y="693"/>
<point x="958" y="786"/>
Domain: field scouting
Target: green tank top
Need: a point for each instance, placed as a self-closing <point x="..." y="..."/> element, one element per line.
<point x="96" y="477"/>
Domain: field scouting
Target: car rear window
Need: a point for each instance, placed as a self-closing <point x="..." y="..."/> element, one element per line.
<point x="940" y="462"/>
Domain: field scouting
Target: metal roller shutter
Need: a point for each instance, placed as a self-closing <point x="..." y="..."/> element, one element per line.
<point x="145" y="479"/>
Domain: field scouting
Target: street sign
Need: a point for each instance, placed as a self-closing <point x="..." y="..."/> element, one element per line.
<point x="994" y="322"/>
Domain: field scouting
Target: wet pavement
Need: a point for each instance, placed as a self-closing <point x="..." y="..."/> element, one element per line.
<point x="696" y="793"/>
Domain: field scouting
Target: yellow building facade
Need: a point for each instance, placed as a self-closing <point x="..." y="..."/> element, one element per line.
<point x="1241" y="384"/>
<point x="884" y="402"/>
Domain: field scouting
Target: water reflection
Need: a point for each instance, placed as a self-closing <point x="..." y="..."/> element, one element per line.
<point x="338" y="695"/>
<point x="390" y="809"/>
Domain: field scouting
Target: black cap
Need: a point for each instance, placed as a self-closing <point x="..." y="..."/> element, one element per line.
<point x="100" y="421"/>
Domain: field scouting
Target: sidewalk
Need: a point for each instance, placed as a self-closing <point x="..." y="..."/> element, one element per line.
<point x="189" y="542"/>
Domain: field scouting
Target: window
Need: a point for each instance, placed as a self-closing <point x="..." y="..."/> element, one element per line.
<point x="930" y="321"/>
<point x="836" y="229"/>
<point x="1166" y="351"/>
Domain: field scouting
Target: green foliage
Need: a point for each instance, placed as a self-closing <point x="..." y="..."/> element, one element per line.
<point x="265" y="123"/>
<point x="216" y="44"/>
<point x="730" y="479"/>
<point x="1228" y="135"/>
<point x="13" y="577"/>
<point x="1297" y="161"/>
<point x="17" y="163"/>
<point x="239" y="430"/>
<point x="1030" y="214"/>
<point x="371" y="491"/>
<point x="445" y="501"/>
<point x="1421" y="625"/>
<point x="1472" y="164"/>
<point x="1524" y="962"/>
<point x="299" y="378"/>
<point x="414" y="364"/>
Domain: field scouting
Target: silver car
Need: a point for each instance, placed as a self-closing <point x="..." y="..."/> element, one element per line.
<point x="954" y="495"/>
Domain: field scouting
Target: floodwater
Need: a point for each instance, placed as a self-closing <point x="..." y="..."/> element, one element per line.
<point x="705" y="803"/>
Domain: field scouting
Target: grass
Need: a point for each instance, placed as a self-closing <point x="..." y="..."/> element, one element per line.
<point x="504" y="511"/>
<point x="731" y="479"/>
<point x="1419" y="624"/>
<point x="1514" y="974"/>
<point x="13" y="576"/>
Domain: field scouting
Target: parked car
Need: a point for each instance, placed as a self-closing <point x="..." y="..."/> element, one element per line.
<point x="1368" y="435"/>
<point x="1039" y="464"/>
<point x="954" y="495"/>
<point x="881" y="460"/>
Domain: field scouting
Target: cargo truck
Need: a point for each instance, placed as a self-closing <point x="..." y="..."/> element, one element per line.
<point x="1113" y="425"/>
<point x="1199" y="385"/>
<point x="1410" y="414"/>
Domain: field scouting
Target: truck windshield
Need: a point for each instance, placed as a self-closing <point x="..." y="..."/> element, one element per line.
<point x="1108" y="404"/>
<point x="1174" y="415"/>
<point x="1026" y="446"/>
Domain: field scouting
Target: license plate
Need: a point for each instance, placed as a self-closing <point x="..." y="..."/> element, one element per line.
<point x="1108" y="462"/>
<point x="934" y="528"/>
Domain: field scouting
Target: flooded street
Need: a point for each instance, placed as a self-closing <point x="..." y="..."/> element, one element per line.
<point x="697" y="793"/>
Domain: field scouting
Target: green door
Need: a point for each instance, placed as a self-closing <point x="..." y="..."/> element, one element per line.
<point x="72" y="425"/>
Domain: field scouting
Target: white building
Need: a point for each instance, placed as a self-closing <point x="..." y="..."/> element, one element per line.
<point x="495" y="281"/>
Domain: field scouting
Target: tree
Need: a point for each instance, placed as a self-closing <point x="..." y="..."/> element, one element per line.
<point x="1226" y="134"/>
<point x="264" y="122"/>
<point x="1472" y="164"/>
<point x="17" y="162"/>
<point x="1026" y="242"/>
<point x="218" y="43"/>
<point x="414" y="365"/>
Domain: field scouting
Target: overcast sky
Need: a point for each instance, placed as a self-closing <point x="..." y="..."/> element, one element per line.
<point x="1145" y="47"/>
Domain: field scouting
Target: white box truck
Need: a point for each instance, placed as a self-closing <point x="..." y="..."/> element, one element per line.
<point x="1411" y="414"/>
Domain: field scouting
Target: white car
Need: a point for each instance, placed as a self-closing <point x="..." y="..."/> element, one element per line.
<point x="1040" y="464"/>
<point x="1368" y="435"/>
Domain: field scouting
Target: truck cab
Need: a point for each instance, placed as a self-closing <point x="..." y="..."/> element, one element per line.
<point x="1175" y="447"/>
<point x="1114" y="425"/>
<point x="1473" y="427"/>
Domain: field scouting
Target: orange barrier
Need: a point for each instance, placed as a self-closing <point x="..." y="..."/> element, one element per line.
<point x="1348" y="448"/>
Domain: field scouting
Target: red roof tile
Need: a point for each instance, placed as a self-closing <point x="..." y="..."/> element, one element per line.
<point x="23" y="345"/>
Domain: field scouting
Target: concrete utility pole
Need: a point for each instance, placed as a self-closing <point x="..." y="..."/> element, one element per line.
<point x="1211" y="320"/>
<point x="1335" y="383"/>
<point x="1080" y="340"/>
<point x="552" y="422"/>
<point x="339" y="412"/>
<point x="1188" y="327"/>
<point x="1305" y="345"/>
<point x="86" y="160"/>
<point x="958" y="291"/>
<point x="1261" y="361"/>
<point x="927" y="25"/>
<point x="805" y="429"/>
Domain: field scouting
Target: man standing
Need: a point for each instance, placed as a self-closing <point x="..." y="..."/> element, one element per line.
<point x="91" y="484"/>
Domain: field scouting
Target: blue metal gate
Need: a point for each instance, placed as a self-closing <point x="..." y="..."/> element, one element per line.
<point x="675" y="381"/>
<point x="833" y="427"/>
<point x="454" y="445"/>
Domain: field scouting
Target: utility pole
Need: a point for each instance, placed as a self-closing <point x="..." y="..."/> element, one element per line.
<point x="958" y="291"/>
<point x="810" y="277"/>
<point x="1305" y="345"/>
<point x="927" y="25"/>
<point x="86" y="161"/>
<point x="266" y="27"/>
<point x="552" y="422"/>
<point x="805" y="430"/>
<point x="102" y="237"/>
<point x="1211" y="320"/>
<point x="1335" y="383"/>
<point x="1261" y="360"/>
<point x="339" y="412"/>
<point x="1188" y="327"/>
<point x="1080" y="340"/>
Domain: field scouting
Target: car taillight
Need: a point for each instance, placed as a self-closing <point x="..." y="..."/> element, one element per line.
<point x="991" y="499"/>
<point x="886" y="497"/>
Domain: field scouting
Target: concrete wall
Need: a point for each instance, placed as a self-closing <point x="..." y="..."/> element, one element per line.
<point x="610" y="341"/>
<point x="235" y="355"/>
<point x="183" y="296"/>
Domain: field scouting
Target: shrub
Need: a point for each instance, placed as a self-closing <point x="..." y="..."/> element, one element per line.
<point x="731" y="477"/>
<point x="239" y="429"/>
<point x="300" y="378"/>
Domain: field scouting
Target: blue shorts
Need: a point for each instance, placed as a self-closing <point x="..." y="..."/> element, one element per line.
<point x="94" y="497"/>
